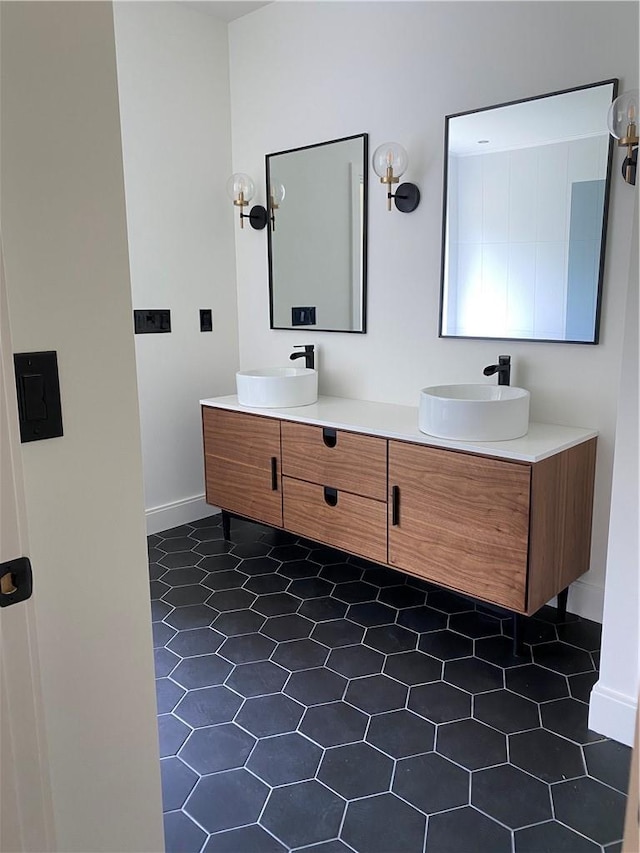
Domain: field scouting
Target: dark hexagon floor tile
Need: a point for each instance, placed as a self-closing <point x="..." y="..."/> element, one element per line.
<point x="275" y="714"/>
<point x="216" y="748"/>
<point x="234" y="623"/>
<point x="473" y="675"/>
<point x="231" y="599"/>
<point x="499" y="650"/>
<point x="219" y="563"/>
<point x="257" y="679"/>
<point x="569" y="718"/>
<point x="201" y="671"/>
<point x="297" y="569"/>
<point x="310" y="588"/>
<point x="247" y="648"/>
<point x="383" y="823"/>
<point x="160" y="609"/>
<point x="290" y="627"/>
<point x="580" y="685"/>
<point x="245" y="839"/>
<point x="532" y="631"/>
<point x="440" y="702"/>
<point x="511" y="796"/>
<point x="535" y="682"/>
<point x="431" y="783"/>
<point x="180" y="596"/>
<point x="172" y="733"/>
<point x="449" y="602"/>
<point x="155" y="571"/>
<point x="211" y="547"/>
<point x="341" y="573"/>
<point x="422" y="619"/>
<point x="381" y="576"/>
<point x="251" y="549"/>
<point x="356" y="592"/>
<point x="218" y="581"/>
<point x="333" y="846"/>
<point x="174" y="532"/>
<point x="323" y="609"/>
<point x="545" y="755"/>
<point x="356" y="770"/>
<point x="214" y="520"/>
<point x="609" y="762"/>
<point x="591" y="808"/>
<point x="316" y="686"/>
<point x="375" y="694"/>
<point x="285" y="758"/>
<point x="585" y="634"/>
<point x="227" y="800"/>
<point x="391" y="638"/>
<point x="445" y="645"/>
<point x="276" y="604"/>
<point x="402" y="596"/>
<point x="264" y="584"/>
<point x="300" y="654"/>
<point x="552" y="837"/>
<point x="323" y="555"/>
<point x="260" y="566"/>
<point x="179" y="559"/>
<point x="413" y="668"/>
<point x="355" y="661"/>
<point x="180" y="543"/>
<point x="181" y="834"/>
<point x="401" y="733"/>
<point x="338" y="632"/>
<point x="208" y="706"/>
<point x="197" y="641"/>
<point x="157" y="589"/>
<point x="506" y="711"/>
<point x="289" y="553"/>
<point x="466" y="829"/>
<point x="168" y="694"/>
<point x="303" y="813"/>
<point x="471" y="744"/>
<point x="550" y="614"/>
<point x="210" y="535"/>
<point x="164" y="661"/>
<point x="192" y="616"/>
<point x="562" y="658"/>
<point x="334" y="724"/>
<point x="162" y="634"/>
<point x="183" y="577"/>
<point x="371" y="614"/>
<point x="178" y="781"/>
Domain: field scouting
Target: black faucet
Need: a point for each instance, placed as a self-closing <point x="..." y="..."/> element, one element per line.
<point x="308" y="355"/>
<point x="502" y="368"/>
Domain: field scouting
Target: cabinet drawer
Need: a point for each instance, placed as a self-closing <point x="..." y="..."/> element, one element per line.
<point x="354" y="524"/>
<point x="249" y="439"/>
<point x="355" y="463"/>
<point x="243" y="489"/>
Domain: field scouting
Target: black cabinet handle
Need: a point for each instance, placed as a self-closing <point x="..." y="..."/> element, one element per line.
<point x="329" y="436"/>
<point x="274" y="473"/>
<point x="395" y="506"/>
<point x="330" y="496"/>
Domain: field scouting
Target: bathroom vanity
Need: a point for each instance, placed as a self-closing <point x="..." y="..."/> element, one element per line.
<point x="505" y="522"/>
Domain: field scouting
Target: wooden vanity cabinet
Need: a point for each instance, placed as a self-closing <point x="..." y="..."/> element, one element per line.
<point x="242" y="464"/>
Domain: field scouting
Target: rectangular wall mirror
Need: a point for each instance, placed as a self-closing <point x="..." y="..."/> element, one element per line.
<point x="317" y="236"/>
<point x="526" y="190"/>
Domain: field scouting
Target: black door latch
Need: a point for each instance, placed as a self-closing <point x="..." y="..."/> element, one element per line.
<point x="16" y="581"/>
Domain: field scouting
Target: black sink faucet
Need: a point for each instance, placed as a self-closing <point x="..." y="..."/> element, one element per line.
<point x="502" y="368"/>
<point x="308" y="355"/>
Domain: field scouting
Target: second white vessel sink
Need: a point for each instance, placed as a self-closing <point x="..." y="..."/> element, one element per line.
<point x="277" y="387"/>
<point x="474" y="412"/>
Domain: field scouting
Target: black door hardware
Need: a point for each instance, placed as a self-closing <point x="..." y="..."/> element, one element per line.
<point x="16" y="581"/>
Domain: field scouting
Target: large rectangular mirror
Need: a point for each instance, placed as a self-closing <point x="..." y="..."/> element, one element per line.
<point x="525" y="214"/>
<point x="317" y="238"/>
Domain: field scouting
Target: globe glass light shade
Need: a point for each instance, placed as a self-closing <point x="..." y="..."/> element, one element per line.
<point x="623" y="112"/>
<point x="240" y="183"/>
<point x="277" y="193"/>
<point x="390" y="154"/>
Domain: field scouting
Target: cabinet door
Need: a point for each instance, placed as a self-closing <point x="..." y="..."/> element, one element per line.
<point x="461" y="521"/>
<point x="242" y="464"/>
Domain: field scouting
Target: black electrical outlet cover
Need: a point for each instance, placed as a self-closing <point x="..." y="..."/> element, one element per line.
<point x="148" y="321"/>
<point x="206" y="320"/>
<point x="38" y="390"/>
<point x="305" y="316"/>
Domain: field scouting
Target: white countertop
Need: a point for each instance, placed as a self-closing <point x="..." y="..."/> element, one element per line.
<point x="391" y="421"/>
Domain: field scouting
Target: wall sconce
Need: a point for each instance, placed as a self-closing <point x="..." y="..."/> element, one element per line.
<point x="390" y="162"/>
<point x="241" y="190"/>
<point x="276" y="197"/>
<point x="622" y="120"/>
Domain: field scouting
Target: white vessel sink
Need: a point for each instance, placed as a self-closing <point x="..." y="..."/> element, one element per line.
<point x="474" y="412"/>
<point x="277" y="387"/>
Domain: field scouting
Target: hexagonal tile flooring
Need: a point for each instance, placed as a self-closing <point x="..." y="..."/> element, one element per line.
<point x="311" y="700"/>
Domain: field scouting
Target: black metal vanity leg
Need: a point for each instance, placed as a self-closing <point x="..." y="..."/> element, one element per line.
<point x="562" y="604"/>
<point x="518" y="643"/>
<point x="226" y="525"/>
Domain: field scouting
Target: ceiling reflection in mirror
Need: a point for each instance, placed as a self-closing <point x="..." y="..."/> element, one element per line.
<point x="525" y="209"/>
<point x="317" y="205"/>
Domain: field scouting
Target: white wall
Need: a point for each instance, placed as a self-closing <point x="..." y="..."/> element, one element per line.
<point x="65" y="243"/>
<point x="174" y="100"/>
<point x="395" y="70"/>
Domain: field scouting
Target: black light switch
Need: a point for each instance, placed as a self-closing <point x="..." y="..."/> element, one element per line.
<point x="151" y="320"/>
<point x="38" y="389"/>
<point x="305" y="316"/>
<point x="206" y="320"/>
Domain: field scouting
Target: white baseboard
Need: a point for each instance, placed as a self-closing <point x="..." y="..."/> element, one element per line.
<point x="179" y="512"/>
<point x="612" y="714"/>
<point x="586" y="600"/>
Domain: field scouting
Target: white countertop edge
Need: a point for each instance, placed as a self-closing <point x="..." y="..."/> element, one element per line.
<point x="389" y="420"/>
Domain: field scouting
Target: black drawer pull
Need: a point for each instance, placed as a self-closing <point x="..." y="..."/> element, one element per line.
<point x="329" y="436"/>
<point x="395" y="506"/>
<point x="330" y="496"/>
<point x="274" y="473"/>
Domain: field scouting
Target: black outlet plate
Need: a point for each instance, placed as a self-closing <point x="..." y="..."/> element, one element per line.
<point x="206" y="320"/>
<point x="148" y="321"/>
<point x="305" y="316"/>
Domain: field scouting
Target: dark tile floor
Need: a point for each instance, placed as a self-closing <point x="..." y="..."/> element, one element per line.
<point x="312" y="700"/>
